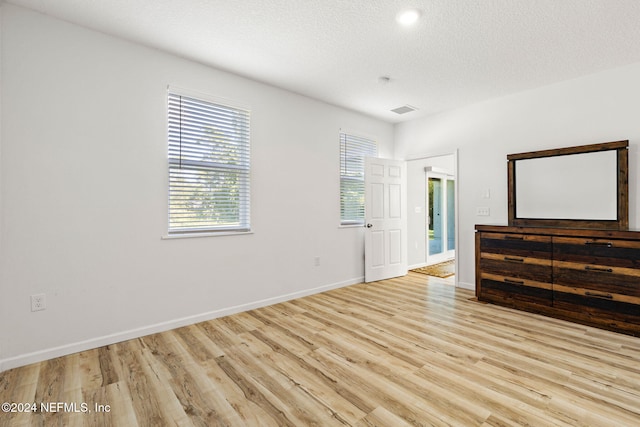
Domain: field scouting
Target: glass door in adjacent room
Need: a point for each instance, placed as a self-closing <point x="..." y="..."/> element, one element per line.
<point x="440" y="217"/>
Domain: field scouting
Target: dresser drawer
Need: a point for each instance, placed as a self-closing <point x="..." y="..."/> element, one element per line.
<point x="514" y="291"/>
<point x="609" y="252"/>
<point x="522" y="245"/>
<point x="605" y="279"/>
<point x="601" y="294"/>
<point x="538" y="269"/>
<point x="599" y="307"/>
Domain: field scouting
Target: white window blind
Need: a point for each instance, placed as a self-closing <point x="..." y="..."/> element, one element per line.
<point x="353" y="150"/>
<point x="209" y="166"/>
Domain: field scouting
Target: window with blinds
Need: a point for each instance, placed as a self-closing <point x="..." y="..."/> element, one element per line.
<point x="353" y="150"/>
<point x="209" y="166"/>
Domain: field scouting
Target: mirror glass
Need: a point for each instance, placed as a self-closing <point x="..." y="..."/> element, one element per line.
<point x="569" y="186"/>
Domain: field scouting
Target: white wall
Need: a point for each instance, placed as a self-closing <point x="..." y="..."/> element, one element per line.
<point x="597" y="108"/>
<point x="84" y="194"/>
<point x="3" y="304"/>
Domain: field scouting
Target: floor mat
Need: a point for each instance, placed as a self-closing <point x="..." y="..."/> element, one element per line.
<point x="443" y="269"/>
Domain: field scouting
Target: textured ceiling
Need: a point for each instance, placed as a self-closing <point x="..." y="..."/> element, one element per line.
<point x="460" y="52"/>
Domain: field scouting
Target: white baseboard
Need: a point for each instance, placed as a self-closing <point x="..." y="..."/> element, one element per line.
<point x="414" y="266"/>
<point x="469" y="286"/>
<point x="50" y="353"/>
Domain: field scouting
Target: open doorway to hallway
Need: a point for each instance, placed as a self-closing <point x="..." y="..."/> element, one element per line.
<point x="432" y="215"/>
<point x="440" y="218"/>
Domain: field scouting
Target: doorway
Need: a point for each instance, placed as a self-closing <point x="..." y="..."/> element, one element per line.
<point x="425" y="228"/>
<point x="440" y="208"/>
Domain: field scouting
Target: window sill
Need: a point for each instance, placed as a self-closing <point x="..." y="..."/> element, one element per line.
<point x="210" y="234"/>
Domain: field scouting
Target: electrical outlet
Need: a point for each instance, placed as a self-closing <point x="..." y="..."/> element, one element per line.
<point x="38" y="302"/>
<point x="316" y="261"/>
<point x="482" y="211"/>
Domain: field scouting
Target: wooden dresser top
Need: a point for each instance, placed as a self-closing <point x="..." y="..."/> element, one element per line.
<point x="550" y="231"/>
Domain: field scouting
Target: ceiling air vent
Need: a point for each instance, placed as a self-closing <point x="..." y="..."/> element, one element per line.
<point x="405" y="109"/>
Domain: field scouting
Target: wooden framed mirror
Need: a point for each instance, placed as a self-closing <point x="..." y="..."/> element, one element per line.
<point x="574" y="187"/>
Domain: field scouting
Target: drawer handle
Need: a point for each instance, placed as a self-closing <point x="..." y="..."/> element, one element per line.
<point x="607" y="244"/>
<point x="597" y="295"/>
<point x="514" y="282"/>
<point x="602" y="270"/>
<point x="514" y="237"/>
<point x="508" y="258"/>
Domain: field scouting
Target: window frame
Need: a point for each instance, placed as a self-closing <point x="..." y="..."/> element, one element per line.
<point x="216" y="168"/>
<point x="353" y="176"/>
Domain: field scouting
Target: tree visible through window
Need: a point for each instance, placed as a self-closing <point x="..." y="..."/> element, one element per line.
<point x="209" y="166"/>
<point x="353" y="150"/>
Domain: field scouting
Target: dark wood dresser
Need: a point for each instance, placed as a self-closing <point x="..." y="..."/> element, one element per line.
<point x="586" y="276"/>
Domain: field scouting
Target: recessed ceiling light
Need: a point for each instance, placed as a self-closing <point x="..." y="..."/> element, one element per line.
<point x="408" y="17"/>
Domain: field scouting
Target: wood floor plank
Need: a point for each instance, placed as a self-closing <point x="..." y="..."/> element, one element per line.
<point x="340" y="401"/>
<point x="408" y="351"/>
<point x="374" y="389"/>
<point x="188" y="381"/>
<point x="153" y="399"/>
<point x="380" y="417"/>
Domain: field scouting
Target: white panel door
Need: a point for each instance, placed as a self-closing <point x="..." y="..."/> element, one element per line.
<point x="385" y="219"/>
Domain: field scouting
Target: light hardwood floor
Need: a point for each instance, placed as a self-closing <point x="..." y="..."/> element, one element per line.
<point x="408" y="351"/>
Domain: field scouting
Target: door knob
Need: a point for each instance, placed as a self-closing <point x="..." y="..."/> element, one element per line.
<point x="369" y="225"/>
